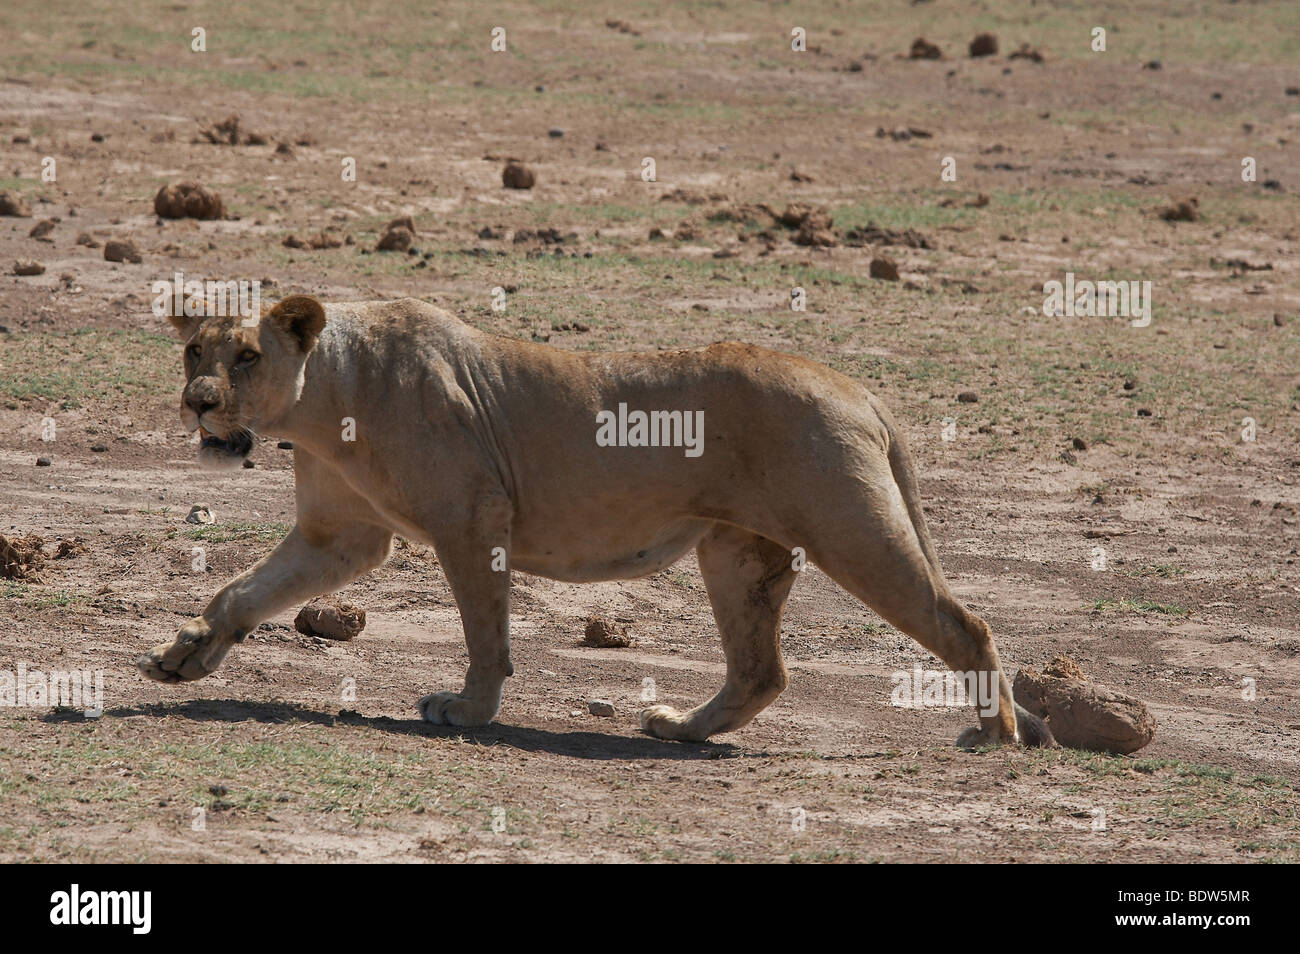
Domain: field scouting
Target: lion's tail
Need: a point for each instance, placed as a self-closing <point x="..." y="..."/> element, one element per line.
<point x="1032" y="730"/>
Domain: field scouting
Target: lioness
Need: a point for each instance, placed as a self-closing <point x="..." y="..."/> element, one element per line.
<point x="473" y="442"/>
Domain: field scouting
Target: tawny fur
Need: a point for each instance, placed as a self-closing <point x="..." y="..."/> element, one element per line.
<point x="471" y="442"/>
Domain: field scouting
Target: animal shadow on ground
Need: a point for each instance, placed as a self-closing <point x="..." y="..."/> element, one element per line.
<point x="578" y="744"/>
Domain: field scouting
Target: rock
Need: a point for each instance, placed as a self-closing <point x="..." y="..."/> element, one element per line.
<point x="873" y="235"/>
<point x="284" y="149"/>
<point x="398" y="238"/>
<point x="818" y="237"/>
<point x="121" y="250"/>
<point x="86" y="239"/>
<point x="968" y="397"/>
<point x="885" y="269"/>
<point x="98" y="448"/>
<point x="922" y="49"/>
<point x="201" y="515"/>
<point x="321" y="240"/>
<point x="21" y="557"/>
<point x="555" y="132"/>
<point x="516" y="175"/>
<point x="1082" y="714"/>
<point x="1279" y="319"/>
<point x="26" y="266"/>
<point x="43" y="462"/>
<point x="42" y="229"/>
<point x="797" y="175"/>
<point x="227" y="133"/>
<point x="1144" y="412"/>
<point x="1079" y="444"/>
<point x="69" y="548"/>
<point x="285" y="445"/>
<point x="601" y="707"/>
<point x="13" y="204"/>
<point x="188" y="200"/>
<point x="1026" y="52"/>
<point x="1184" y="211"/>
<point x="602" y="633"/>
<point x="985" y="44"/>
<point x="330" y="619"/>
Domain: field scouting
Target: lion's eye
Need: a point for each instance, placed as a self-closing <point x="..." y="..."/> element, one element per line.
<point x="192" y="352"/>
<point x="248" y="356"/>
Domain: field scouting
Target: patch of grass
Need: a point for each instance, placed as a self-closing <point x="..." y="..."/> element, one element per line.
<point x="236" y="530"/>
<point x="1129" y="605"/>
<point x="72" y="368"/>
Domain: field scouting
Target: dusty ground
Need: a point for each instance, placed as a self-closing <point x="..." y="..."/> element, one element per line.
<point x="1075" y="154"/>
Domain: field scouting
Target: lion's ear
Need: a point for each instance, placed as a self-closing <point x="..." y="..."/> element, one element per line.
<point x="301" y="317"/>
<point x="186" y="325"/>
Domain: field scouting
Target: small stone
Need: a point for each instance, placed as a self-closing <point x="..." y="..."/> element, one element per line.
<point x="99" y="448"/>
<point x="516" y="175"/>
<point x="1144" y="412"/>
<point x="968" y="397"/>
<point x="923" y="49"/>
<point x="285" y="445"/>
<point x="13" y="204"/>
<point x="555" y="132"/>
<point x="200" y="515"/>
<point x="122" y="250"/>
<point x="1080" y="444"/>
<point x="181" y="200"/>
<point x="396" y="239"/>
<point x="43" y="462"/>
<point x="330" y="620"/>
<point x="27" y="266"/>
<point x="42" y="229"/>
<point x="604" y="634"/>
<point x="86" y="239"/>
<point x="884" y="269"/>
<point x="601" y="707"/>
<point x="985" y="44"/>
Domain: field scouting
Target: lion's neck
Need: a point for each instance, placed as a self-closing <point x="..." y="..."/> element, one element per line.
<point x="317" y="420"/>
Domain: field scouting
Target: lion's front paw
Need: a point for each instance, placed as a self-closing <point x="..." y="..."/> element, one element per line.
<point x="452" y="708"/>
<point x="665" y="722"/>
<point x="196" y="652"/>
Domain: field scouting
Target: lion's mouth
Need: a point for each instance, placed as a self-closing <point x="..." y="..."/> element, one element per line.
<point x="239" y="444"/>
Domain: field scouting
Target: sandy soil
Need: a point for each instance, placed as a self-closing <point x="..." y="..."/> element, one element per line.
<point x="1077" y="155"/>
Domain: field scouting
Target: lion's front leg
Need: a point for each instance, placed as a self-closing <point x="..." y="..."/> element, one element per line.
<point x="304" y="565"/>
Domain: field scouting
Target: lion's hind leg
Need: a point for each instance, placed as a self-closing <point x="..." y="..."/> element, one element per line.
<point x="748" y="578"/>
<point x="872" y="549"/>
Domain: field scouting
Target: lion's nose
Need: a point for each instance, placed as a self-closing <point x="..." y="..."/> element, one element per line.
<point x="200" y="404"/>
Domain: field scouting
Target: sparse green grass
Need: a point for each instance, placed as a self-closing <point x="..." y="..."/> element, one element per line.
<point x="235" y="530"/>
<point x="73" y="368"/>
<point x="1128" y="605"/>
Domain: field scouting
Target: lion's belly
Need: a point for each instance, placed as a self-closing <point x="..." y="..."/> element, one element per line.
<point x="619" y="550"/>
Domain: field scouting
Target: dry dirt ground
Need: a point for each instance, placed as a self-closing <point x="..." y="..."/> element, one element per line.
<point x="1076" y="156"/>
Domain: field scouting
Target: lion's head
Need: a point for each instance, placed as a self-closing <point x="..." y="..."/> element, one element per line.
<point x="243" y="374"/>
